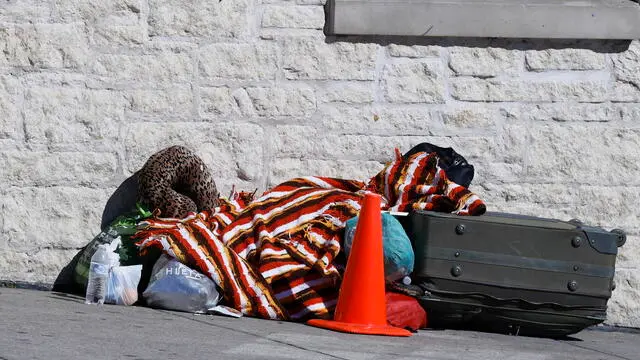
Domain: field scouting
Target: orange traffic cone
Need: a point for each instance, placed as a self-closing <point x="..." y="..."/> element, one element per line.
<point x="361" y="307"/>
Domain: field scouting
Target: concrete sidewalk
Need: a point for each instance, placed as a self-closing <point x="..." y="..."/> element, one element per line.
<point x="47" y="325"/>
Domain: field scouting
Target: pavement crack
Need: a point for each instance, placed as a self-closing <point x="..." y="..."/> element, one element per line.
<point x="254" y="334"/>
<point x="599" y="351"/>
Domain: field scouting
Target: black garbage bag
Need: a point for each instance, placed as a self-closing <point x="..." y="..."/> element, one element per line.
<point x="454" y="165"/>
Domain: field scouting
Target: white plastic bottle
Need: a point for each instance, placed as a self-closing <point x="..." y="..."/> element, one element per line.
<point x="98" y="276"/>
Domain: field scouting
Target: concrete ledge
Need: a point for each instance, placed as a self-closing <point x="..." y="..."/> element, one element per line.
<point x="580" y="19"/>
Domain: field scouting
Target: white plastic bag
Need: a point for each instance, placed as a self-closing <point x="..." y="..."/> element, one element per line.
<point x="122" y="286"/>
<point x="175" y="286"/>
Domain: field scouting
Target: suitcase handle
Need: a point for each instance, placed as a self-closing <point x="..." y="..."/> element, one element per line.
<point x="622" y="236"/>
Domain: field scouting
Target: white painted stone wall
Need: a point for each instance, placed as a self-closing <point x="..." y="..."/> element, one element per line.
<point x="90" y="88"/>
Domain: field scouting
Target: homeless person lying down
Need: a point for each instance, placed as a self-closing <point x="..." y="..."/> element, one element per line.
<point x="277" y="256"/>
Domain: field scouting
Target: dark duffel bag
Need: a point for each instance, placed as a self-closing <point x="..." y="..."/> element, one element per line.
<point x="454" y="165"/>
<point x="511" y="273"/>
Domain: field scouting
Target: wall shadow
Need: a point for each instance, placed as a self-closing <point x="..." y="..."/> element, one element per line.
<point x="600" y="46"/>
<point x="121" y="201"/>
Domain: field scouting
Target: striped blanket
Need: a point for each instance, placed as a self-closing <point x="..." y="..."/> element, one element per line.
<point x="278" y="256"/>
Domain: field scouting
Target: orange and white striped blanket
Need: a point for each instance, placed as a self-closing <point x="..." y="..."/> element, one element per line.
<point x="278" y="256"/>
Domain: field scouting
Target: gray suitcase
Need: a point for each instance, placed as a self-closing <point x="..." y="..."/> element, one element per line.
<point x="511" y="273"/>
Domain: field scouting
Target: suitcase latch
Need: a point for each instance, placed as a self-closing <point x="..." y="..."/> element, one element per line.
<point x="456" y="270"/>
<point x="576" y="241"/>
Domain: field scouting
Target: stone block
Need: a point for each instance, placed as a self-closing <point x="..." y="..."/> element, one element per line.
<point x="226" y="102"/>
<point x="629" y="252"/>
<point x="564" y="59"/>
<point x="158" y="67"/>
<point x="38" y="266"/>
<point x="414" y="51"/>
<point x="35" y="168"/>
<point x="574" y="153"/>
<point x="217" y="101"/>
<point x="233" y="151"/>
<point x="95" y="10"/>
<point x="238" y="61"/>
<point x="199" y="18"/>
<point x="507" y="144"/>
<point x="360" y="92"/>
<point x="543" y="200"/>
<point x="341" y="139"/>
<point x="283" y="169"/>
<point x="473" y="118"/>
<point x="610" y="207"/>
<point x="176" y="102"/>
<point x="48" y="79"/>
<point x="283" y="34"/>
<point x="423" y="120"/>
<point x="413" y="82"/>
<point x="500" y="171"/>
<point x="122" y="33"/>
<point x="485" y="62"/>
<point x="570" y="112"/>
<point x="297" y="17"/>
<point x="51" y="217"/>
<point x="497" y="156"/>
<point x="309" y="58"/>
<point x="625" y="92"/>
<point x="73" y="117"/>
<point x="44" y="46"/>
<point x="11" y="145"/>
<point x="11" y="123"/>
<point x="112" y="22"/>
<point x="23" y="11"/>
<point x="375" y="120"/>
<point x="515" y="90"/>
<point x="283" y="101"/>
<point x="596" y="205"/>
<point x="631" y="115"/>
<point x="328" y="146"/>
<point x="626" y="65"/>
<point x="623" y="306"/>
<point x="491" y="159"/>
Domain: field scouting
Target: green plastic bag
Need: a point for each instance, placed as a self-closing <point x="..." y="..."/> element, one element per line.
<point x="123" y="227"/>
